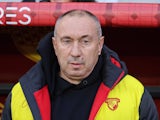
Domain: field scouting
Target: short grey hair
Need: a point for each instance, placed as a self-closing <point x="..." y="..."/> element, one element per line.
<point x="77" y="12"/>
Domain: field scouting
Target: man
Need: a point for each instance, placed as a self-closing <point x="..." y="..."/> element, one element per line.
<point x="78" y="78"/>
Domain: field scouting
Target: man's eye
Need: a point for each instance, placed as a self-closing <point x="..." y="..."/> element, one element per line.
<point x="85" y="41"/>
<point x="66" y="41"/>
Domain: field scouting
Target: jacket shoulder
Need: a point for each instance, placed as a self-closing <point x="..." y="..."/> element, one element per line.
<point x="19" y="105"/>
<point x="131" y="85"/>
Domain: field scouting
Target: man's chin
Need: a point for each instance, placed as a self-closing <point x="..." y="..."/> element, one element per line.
<point x="77" y="76"/>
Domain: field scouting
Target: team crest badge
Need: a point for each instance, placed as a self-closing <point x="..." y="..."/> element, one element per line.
<point x="112" y="103"/>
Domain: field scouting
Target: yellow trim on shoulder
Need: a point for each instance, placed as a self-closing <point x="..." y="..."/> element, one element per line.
<point x="123" y="101"/>
<point x="19" y="106"/>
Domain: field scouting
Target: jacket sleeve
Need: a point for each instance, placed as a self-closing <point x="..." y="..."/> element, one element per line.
<point x="148" y="110"/>
<point x="6" y="114"/>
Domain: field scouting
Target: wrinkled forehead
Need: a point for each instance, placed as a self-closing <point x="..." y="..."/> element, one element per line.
<point x="78" y="17"/>
<point x="71" y="19"/>
<point x="77" y="26"/>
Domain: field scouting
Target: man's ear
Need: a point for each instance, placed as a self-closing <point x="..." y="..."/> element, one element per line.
<point x="53" y="41"/>
<point x="101" y="42"/>
<point x="54" y="44"/>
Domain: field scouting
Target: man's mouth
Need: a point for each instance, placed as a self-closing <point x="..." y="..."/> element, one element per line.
<point x="76" y="65"/>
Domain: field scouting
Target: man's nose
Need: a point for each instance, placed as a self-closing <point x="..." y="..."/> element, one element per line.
<point x="76" y="50"/>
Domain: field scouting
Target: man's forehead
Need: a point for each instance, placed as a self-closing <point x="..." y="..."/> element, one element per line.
<point x="73" y="23"/>
<point x="76" y="20"/>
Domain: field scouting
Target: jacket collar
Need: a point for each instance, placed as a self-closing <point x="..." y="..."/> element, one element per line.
<point x="114" y="69"/>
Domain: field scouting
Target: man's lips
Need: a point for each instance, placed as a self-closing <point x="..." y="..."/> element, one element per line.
<point x="76" y="65"/>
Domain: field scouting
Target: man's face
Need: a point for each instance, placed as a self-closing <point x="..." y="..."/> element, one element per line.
<point x="77" y="47"/>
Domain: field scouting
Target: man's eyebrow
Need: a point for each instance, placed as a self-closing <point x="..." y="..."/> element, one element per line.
<point x="66" y="37"/>
<point x="85" y="36"/>
<point x="81" y="37"/>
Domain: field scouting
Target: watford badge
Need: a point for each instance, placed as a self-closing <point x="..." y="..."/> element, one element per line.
<point x="112" y="103"/>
